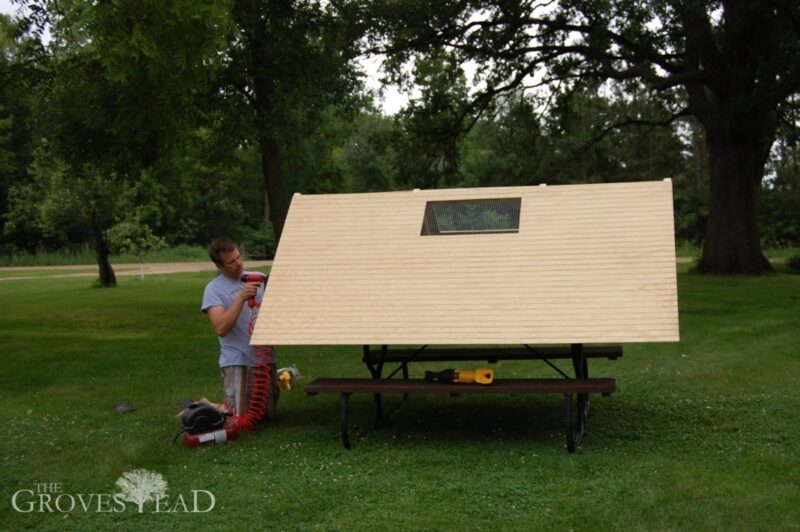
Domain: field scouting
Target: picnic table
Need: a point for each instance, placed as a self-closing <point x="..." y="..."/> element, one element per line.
<point x="575" y="389"/>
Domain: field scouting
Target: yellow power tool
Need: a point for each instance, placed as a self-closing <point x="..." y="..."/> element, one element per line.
<point x="480" y="375"/>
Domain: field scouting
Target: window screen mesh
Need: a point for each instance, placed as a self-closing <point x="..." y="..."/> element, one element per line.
<point x="471" y="217"/>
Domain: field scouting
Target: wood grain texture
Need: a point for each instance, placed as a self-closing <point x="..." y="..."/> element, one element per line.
<point x="590" y="264"/>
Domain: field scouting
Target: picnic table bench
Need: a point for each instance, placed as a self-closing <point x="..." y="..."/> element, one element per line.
<point x="579" y="386"/>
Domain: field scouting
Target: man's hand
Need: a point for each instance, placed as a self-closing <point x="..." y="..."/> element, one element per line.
<point x="249" y="291"/>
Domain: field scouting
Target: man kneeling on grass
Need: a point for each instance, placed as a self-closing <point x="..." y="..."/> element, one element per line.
<point x="224" y="301"/>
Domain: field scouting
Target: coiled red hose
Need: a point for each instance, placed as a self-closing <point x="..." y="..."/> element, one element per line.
<point x="256" y="406"/>
<point x="262" y="384"/>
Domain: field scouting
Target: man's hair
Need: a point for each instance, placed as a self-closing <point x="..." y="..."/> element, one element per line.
<point x="219" y="245"/>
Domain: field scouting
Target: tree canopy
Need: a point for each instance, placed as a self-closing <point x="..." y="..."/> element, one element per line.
<point x="733" y="66"/>
<point x="177" y="122"/>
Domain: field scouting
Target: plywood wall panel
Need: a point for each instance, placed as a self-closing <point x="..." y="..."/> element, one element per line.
<point x="590" y="264"/>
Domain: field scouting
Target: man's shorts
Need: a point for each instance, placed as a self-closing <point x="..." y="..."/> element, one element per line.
<point x="237" y="384"/>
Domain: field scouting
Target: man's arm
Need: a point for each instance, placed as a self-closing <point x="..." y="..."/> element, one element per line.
<point x="223" y="319"/>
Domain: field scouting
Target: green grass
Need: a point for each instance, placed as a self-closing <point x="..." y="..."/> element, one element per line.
<point x="701" y="435"/>
<point x="683" y="249"/>
<point x="86" y="255"/>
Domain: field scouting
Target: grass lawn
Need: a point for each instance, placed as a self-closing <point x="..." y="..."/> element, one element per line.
<point x="774" y="254"/>
<point x="701" y="435"/>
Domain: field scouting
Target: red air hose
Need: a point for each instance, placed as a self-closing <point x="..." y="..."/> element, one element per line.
<point x="262" y="382"/>
<point x="261" y="388"/>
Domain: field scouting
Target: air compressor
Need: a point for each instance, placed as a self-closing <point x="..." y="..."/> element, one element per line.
<point x="201" y="425"/>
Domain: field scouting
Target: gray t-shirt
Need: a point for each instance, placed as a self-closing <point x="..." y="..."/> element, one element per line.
<point x="235" y="348"/>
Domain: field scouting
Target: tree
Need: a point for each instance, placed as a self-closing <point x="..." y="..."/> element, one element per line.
<point x="509" y="147"/>
<point x="286" y="62"/>
<point x="131" y="235"/>
<point x="368" y="153"/>
<point x="428" y="151"/>
<point x="121" y="94"/>
<point x="518" y="144"/>
<point x="733" y="66"/>
<point x="215" y="189"/>
<point x="779" y="208"/>
<point x="61" y="200"/>
<point x="20" y="81"/>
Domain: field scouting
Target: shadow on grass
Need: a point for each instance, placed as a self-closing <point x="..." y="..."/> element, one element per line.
<point x="442" y="421"/>
<point x="630" y="424"/>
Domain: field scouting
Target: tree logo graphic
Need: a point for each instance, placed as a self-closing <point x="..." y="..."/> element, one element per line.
<point x="142" y="485"/>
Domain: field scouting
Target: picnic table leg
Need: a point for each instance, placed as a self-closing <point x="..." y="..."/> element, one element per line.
<point x="579" y="361"/>
<point x="569" y="426"/>
<point x="575" y="422"/>
<point x="377" y="417"/>
<point x="405" y="376"/>
<point x="580" y="417"/>
<point x="343" y="420"/>
<point x="376" y="372"/>
<point x="581" y="365"/>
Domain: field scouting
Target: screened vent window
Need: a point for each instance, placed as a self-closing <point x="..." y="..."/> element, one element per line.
<point x="466" y="217"/>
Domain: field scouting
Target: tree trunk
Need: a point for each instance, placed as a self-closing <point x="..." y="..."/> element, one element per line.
<point x="737" y="159"/>
<point x="253" y="19"/>
<point x="272" y="169"/>
<point x="107" y="277"/>
<point x="266" y="205"/>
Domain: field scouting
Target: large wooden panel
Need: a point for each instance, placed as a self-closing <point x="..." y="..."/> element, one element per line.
<point x="590" y="263"/>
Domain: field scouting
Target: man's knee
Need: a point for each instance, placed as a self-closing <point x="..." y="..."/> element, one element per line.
<point x="235" y="385"/>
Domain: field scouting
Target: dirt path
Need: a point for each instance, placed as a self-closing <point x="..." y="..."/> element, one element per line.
<point x="119" y="269"/>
